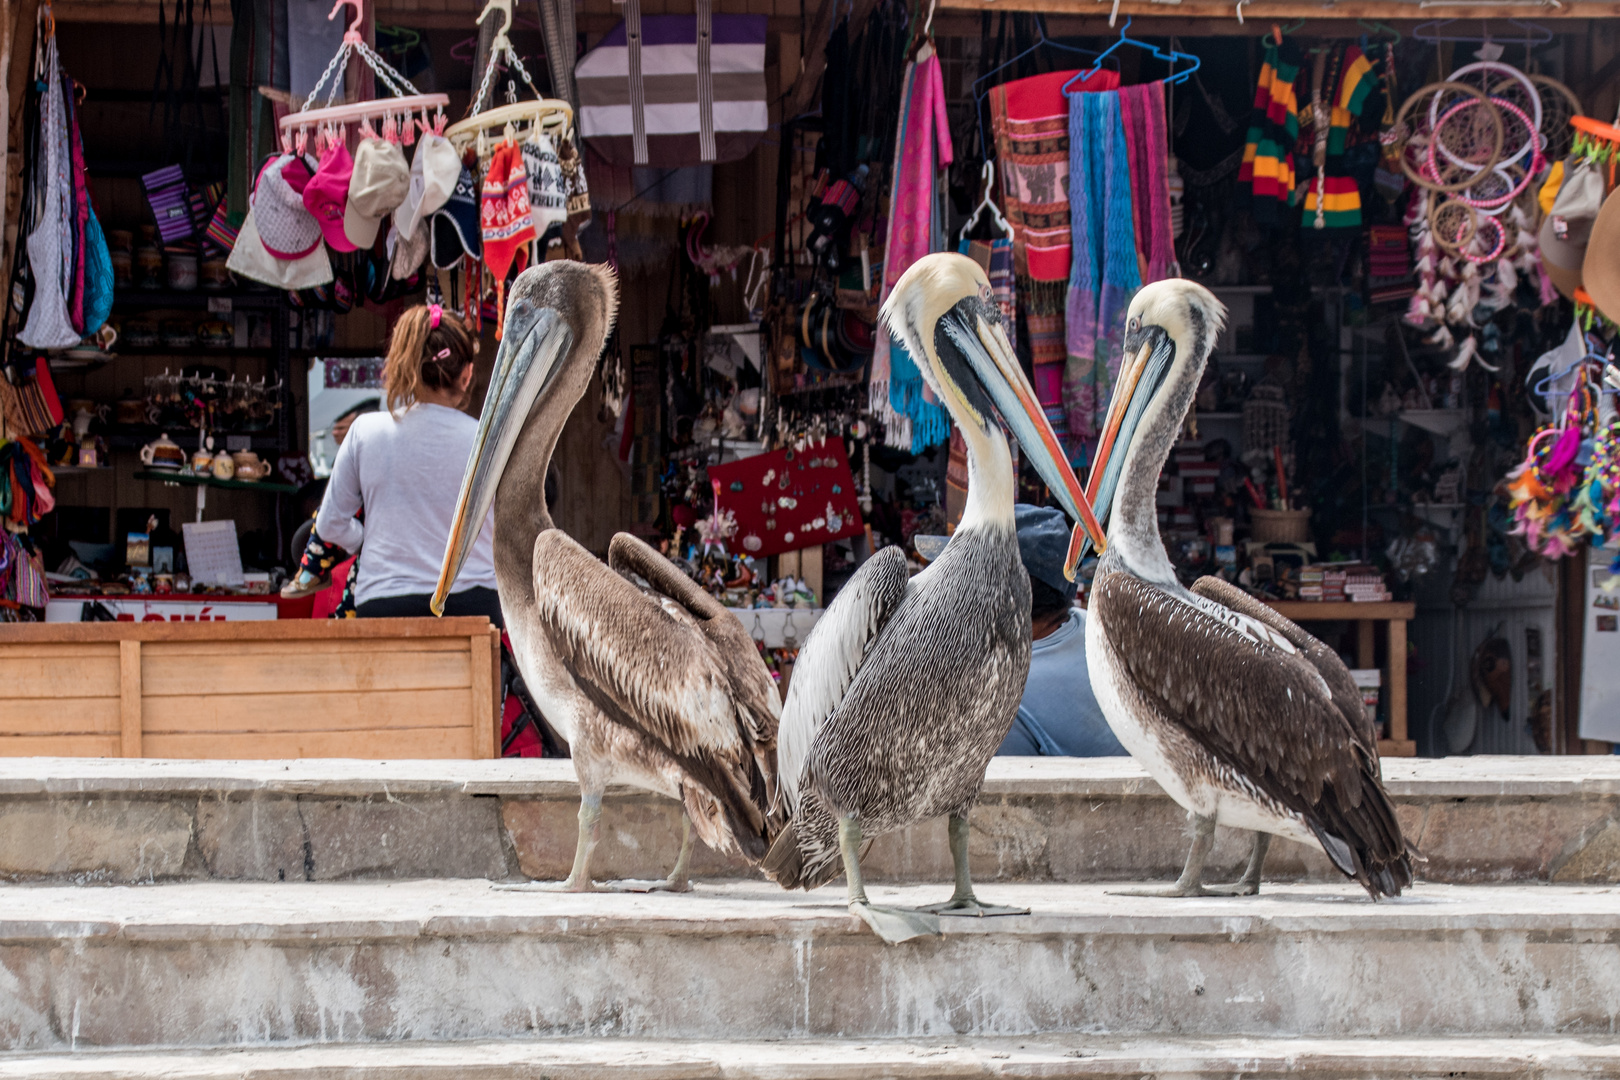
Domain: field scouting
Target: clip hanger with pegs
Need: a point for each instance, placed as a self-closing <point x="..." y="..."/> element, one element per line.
<point x="328" y="121"/>
<point x="1172" y="58"/>
<point x="543" y="113"/>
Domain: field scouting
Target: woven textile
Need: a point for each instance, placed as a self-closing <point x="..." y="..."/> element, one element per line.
<point x="1104" y="274"/>
<point x="1030" y="121"/>
<point x="1358" y="85"/>
<point x="50" y="245"/>
<point x="1142" y="113"/>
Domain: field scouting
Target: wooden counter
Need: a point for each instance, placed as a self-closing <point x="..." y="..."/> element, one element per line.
<point x="332" y="688"/>
<point x="1395" y="616"/>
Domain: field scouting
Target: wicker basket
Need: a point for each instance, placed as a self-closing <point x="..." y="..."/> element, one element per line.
<point x="1280" y="526"/>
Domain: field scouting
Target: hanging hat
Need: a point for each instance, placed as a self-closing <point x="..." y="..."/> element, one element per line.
<point x="1565" y="231"/>
<point x="434" y="170"/>
<point x="378" y="185"/>
<point x="250" y="259"/>
<point x="548" y="194"/>
<point x="1600" y="272"/>
<point x="406" y="253"/>
<point x="327" y="194"/>
<point x="453" y="229"/>
<point x="286" y="227"/>
<point x="505" y="220"/>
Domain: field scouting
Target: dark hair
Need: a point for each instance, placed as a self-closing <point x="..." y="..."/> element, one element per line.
<point x="414" y="355"/>
<point x="1045" y="600"/>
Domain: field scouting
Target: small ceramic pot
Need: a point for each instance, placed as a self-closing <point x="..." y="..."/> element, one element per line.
<point x="249" y="467"/>
<point x="163" y="453"/>
<point x="183" y="272"/>
<point x="213" y="274"/>
<point x="224" y="467"/>
<point x="123" y="267"/>
<point x="149" y="267"/>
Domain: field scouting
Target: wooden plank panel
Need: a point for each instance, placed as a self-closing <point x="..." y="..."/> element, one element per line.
<point x="59" y="746"/>
<point x="129" y="697"/>
<point x="329" y="630"/>
<point x="58" y="716"/>
<point x="304" y="648"/>
<point x="1306" y="611"/>
<point x="372" y="745"/>
<point x="498" y="703"/>
<point x="236" y="670"/>
<point x="330" y="710"/>
<point x="45" y="677"/>
<point x="70" y="650"/>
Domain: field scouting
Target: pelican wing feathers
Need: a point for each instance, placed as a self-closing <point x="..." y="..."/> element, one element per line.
<point x="1266" y="713"/>
<point x="675" y="668"/>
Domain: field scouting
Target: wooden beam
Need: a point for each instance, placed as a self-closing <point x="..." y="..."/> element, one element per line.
<point x="484" y="651"/>
<point x="815" y="62"/>
<point x="129" y="698"/>
<point x="1262" y="13"/>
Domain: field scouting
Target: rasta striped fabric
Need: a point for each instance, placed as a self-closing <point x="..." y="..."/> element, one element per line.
<point x="1268" y="163"/>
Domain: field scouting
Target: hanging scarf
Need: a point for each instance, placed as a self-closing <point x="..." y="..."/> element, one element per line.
<point x="1268" y="165"/>
<point x="1030" y="121"/>
<point x="916" y="227"/>
<point x="1358" y="81"/>
<point x="1104" y="274"/>
<point x="1141" y="111"/>
<point x="50" y="245"/>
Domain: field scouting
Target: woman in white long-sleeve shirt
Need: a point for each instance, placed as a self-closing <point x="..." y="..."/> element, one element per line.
<point x="393" y="488"/>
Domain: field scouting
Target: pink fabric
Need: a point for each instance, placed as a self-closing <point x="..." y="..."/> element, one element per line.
<point x="1142" y="111"/>
<point x="327" y="194"/>
<point x="911" y="212"/>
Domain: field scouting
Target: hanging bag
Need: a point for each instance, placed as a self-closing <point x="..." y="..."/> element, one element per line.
<point x="675" y="90"/>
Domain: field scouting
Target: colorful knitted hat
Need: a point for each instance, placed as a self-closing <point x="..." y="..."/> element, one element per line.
<point x="505" y="219"/>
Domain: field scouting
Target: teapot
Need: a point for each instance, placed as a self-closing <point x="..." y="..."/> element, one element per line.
<point x="224" y="467"/>
<point x="163" y="453"/>
<point x="249" y="467"/>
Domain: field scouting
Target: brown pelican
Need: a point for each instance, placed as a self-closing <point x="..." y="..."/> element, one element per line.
<point x="905" y="688"/>
<point x="1242" y="717"/>
<point x="656" y="686"/>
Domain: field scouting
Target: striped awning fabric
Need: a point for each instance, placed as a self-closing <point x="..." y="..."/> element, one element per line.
<point x="691" y="112"/>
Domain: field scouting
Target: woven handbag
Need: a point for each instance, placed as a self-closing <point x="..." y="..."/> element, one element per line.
<point x="675" y="90"/>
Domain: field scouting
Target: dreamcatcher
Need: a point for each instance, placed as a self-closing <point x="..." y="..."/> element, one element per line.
<point x="1475" y="146"/>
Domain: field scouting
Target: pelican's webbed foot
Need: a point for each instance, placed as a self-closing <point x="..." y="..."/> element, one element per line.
<point x="1175" y="890"/>
<point x="895" y="925"/>
<point x="677" y="882"/>
<point x="971" y="905"/>
<point x="1249" y="883"/>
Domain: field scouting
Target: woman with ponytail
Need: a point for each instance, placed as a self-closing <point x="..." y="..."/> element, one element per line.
<point x="401" y="468"/>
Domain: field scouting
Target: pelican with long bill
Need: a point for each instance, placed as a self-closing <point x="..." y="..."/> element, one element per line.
<point x="654" y="685"/>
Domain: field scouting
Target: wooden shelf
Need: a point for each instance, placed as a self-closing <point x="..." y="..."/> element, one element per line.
<point x="1333" y="610"/>
<point x="200" y="481"/>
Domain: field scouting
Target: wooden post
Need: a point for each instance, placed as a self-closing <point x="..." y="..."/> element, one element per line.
<point x="483" y="690"/>
<point x="1365" y="657"/>
<point x="810" y="569"/>
<point x="498" y="703"/>
<point x="129" y="697"/>
<point x="1397" y="680"/>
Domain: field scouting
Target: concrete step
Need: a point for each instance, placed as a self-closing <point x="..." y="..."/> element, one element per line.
<point x="213" y="965"/>
<point x="1081" y="1057"/>
<point x="1041" y="819"/>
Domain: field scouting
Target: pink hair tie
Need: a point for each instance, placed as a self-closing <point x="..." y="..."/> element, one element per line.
<point x="435" y="313"/>
<point x="443" y="354"/>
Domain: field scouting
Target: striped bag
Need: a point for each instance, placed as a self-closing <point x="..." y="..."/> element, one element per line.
<point x="675" y="90"/>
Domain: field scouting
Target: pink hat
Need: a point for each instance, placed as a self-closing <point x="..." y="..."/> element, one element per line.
<point x="286" y="228"/>
<point x="327" y="195"/>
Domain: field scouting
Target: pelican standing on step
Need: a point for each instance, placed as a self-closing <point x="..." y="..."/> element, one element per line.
<point x="1242" y="717"/>
<point x="659" y="687"/>
<point x="906" y="687"/>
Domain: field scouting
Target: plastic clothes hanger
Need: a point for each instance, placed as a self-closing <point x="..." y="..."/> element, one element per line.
<point x="1172" y="58"/>
<point x="1436" y="30"/>
<point x="1375" y="27"/>
<point x="984" y="83"/>
<point x="988" y="179"/>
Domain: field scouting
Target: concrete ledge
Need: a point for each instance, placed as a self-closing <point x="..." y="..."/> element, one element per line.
<point x="1023" y="1058"/>
<point x="213" y="965"/>
<point x="1477" y="819"/>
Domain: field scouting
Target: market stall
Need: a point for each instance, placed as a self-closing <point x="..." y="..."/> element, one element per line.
<point x="1394" y="211"/>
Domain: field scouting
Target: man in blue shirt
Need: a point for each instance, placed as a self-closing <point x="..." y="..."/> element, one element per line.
<point x="1058" y="715"/>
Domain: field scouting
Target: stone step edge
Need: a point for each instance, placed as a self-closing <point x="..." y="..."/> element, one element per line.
<point x="554" y="779"/>
<point x="1089" y="1057"/>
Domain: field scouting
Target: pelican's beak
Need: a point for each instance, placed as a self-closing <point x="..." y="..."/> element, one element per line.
<point x="533" y="345"/>
<point x="1148" y="356"/>
<point x="994" y="366"/>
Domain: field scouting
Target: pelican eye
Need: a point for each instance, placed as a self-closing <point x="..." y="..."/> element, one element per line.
<point x="1135" y="324"/>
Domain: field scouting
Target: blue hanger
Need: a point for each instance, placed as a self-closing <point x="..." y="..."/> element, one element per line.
<point x="1041" y="41"/>
<point x="1172" y="58"/>
<point x="1544" y="387"/>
